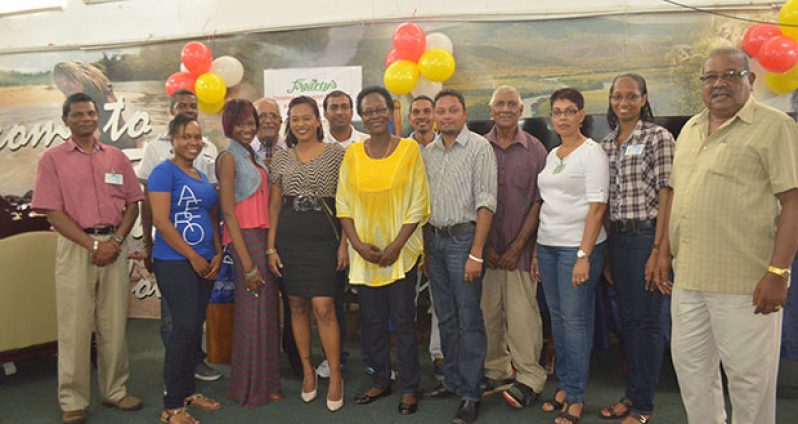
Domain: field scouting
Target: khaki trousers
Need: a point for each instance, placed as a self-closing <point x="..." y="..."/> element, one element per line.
<point x="513" y="326"/>
<point x="710" y="329"/>
<point x="90" y="299"/>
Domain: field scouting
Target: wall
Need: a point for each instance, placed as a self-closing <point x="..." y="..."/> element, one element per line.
<point x="137" y="21"/>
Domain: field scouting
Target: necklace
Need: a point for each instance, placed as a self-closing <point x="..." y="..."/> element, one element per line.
<point x="384" y="154"/>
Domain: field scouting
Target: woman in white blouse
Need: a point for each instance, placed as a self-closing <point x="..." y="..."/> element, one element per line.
<point x="570" y="251"/>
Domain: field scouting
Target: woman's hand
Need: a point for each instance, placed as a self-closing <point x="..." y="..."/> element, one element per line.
<point x="199" y="265"/>
<point x="651" y="266"/>
<point x="390" y="255"/>
<point x="343" y="257"/>
<point x="275" y="264"/>
<point x="215" y="265"/>
<point x="368" y="251"/>
<point x="253" y="281"/>
<point x="581" y="272"/>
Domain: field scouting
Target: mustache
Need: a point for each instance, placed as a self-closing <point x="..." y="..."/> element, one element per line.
<point x="720" y="90"/>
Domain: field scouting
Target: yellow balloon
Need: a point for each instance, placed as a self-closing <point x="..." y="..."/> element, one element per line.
<point x="782" y="83"/>
<point x="788" y="15"/>
<point x="210" y="88"/>
<point x="210" y="108"/>
<point x="401" y="77"/>
<point x="436" y="65"/>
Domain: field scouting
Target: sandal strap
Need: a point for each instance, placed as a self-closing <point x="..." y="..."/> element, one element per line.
<point x="571" y="418"/>
<point x="611" y="415"/>
<point x="199" y="397"/>
<point x="168" y="414"/>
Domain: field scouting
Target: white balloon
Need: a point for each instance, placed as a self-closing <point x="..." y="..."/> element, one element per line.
<point x="229" y="68"/>
<point x="426" y="87"/>
<point x="438" y="40"/>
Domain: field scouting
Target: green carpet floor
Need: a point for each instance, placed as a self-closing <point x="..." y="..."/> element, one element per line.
<point x="30" y="395"/>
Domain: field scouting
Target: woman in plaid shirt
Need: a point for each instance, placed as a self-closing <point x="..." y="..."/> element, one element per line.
<point x="640" y="154"/>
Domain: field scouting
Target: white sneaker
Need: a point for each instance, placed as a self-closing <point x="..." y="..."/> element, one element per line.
<point x="393" y="375"/>
<point x="323" y="370"/>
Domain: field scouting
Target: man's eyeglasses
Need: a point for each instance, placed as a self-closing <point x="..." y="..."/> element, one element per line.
<point x="729" y="76"/>
<point x="570" y="112"/>
<point x="380" y="111"/>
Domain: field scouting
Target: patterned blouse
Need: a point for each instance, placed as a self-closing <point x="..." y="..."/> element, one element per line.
<point x="318" y="177"/>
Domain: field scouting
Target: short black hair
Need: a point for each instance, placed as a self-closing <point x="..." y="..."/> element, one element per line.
<point x="571" y="94"/>
<point x="452" y="93"/>
<point x="176" y="94"/>
<point x="76" y="98"/>
<point x="179" y="123"/>
<point x="336" y="93"/>
<point x="420" y="98"/>
<point x="374" y="89"/>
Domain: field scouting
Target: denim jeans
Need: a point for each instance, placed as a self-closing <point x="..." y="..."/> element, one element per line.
<point x="457" y="304"/>
<point x="641" y="315"/>
<point x="395" y="301"/>
<point x="187" y="296"/>
<point x="572" y="312"/>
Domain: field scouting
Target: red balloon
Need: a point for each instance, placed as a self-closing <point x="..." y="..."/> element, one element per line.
<point x="778" y="54"/>
<point x="409" y="41"/>
<point x="197" y="58"/>
<point x="391" y="57"/>
<point x="756" y="36"/>
<point x="179" y="81"/>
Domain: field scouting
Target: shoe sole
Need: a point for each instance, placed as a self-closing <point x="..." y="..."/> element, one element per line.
<point x="207" y="377"/>
<point x="513" y="402"/>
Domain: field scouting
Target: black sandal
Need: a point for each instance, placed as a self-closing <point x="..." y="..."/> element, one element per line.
<point x="572" y="419"/>
<point x="554" y="403"/>
<point x="611" y="415"/>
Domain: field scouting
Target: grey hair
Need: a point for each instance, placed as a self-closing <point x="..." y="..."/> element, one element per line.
<point x="504" y="89"/>
<point x="731" y="52"/>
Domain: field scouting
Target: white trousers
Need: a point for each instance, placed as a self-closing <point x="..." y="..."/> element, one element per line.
<point x="710" y="329"/>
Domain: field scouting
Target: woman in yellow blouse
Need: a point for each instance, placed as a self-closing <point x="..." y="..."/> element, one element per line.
<point x="383" y="201"/>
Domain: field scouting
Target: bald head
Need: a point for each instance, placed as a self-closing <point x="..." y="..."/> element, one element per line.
<point x="270" y="119"/>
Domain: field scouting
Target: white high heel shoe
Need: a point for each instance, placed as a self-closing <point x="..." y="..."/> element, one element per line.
<point x="309" y="396"/>
<point x="335" y="405"/>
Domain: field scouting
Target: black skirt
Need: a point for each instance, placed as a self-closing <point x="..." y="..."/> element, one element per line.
<point x="308" y="248"/>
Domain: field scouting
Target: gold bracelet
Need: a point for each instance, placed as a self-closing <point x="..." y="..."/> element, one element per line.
<point x="271" y="251"/>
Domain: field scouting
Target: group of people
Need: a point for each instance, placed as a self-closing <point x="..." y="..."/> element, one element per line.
<point x="486" y="219"/>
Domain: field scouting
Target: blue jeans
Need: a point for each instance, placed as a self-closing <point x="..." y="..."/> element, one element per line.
<point x="187" y="296"/>
<point x="457" y="304"/>
<point x="641" y="315"/>
<point x="166" y="330"/>
<point x="572" y="312"/>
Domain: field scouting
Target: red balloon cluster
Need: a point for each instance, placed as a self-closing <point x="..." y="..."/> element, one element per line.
<point x="409" y="43"/>
<point x="775" y="52"/>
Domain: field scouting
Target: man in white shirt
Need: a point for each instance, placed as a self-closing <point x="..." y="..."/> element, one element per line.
<point x="338" y="113"/>
<point x="157" y="150"/>
<point x="268" y="140"/>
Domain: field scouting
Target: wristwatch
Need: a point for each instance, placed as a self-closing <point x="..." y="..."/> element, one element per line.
<point x="118" y="239"/>
<point x="781" y="272"/>
<point x="581" y="254"/>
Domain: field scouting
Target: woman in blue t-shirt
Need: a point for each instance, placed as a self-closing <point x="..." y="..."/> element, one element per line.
<point x="187" y="254"/>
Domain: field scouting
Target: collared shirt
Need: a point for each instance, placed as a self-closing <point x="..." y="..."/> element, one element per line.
<point x="461" y="178"/>
<point x="421" y="146"/>
<point x="638" y="170"/>
<point x="92" y="189"/>
<point x="518" y="168"/>
<point x="722" y="225"/>
<point x="354" y="137"/>
<point x="159" y="149"/>
<point x="266" y="151"/>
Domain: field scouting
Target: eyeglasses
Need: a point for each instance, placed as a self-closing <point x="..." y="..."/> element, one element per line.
<point x="729" y="76"/>
<point x="380" y="111"/>
<point x="568" y="113"/>
<point x="632" y="97"/>
<point x="272" y="116"/>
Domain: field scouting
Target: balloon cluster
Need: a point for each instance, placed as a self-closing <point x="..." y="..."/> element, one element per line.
<point x="207" y="77"/>
<point x="418" y="63"/>
<point x="776" y="49"/>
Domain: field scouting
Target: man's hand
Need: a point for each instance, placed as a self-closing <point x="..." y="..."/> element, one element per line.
<point x="770" y="294"/>
<point x="509" y="259"/>
<point x="473" y="270"/>
<point x="607" y="273"/>
<point x="107" y="252"/>
<point x="492" y="258"/>
<point x="148" y="256"/>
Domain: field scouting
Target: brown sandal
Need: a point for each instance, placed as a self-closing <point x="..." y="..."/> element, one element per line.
<point x="200" y="401"/>
<point x="177" y="416"/>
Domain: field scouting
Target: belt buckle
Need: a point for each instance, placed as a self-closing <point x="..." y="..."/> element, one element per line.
<point x="306" y="204"/>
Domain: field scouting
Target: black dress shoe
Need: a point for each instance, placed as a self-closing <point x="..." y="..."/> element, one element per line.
<point x="408" y="408"/>
<point x="364" y="398"/>
<point x="439" y="392"/>
<point x="489" y="385"/>
<point x="467" y="413"/>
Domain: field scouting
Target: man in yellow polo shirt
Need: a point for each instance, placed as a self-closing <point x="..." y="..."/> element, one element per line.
<point x="733" y="234"/>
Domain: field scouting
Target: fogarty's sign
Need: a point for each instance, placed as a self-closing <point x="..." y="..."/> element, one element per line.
<point x="285" y="84"/>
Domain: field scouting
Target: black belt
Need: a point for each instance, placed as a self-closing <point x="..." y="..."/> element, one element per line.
<point x="463" y="227"/>
<point x="632" y="225"/>
<point x="100" y="230"/>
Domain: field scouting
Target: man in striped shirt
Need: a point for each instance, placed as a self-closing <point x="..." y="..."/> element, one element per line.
<point x="461" y="168"/>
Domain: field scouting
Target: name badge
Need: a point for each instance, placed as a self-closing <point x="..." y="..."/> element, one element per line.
<point x="634" y="150"/>
<point x="114" y="178"/>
